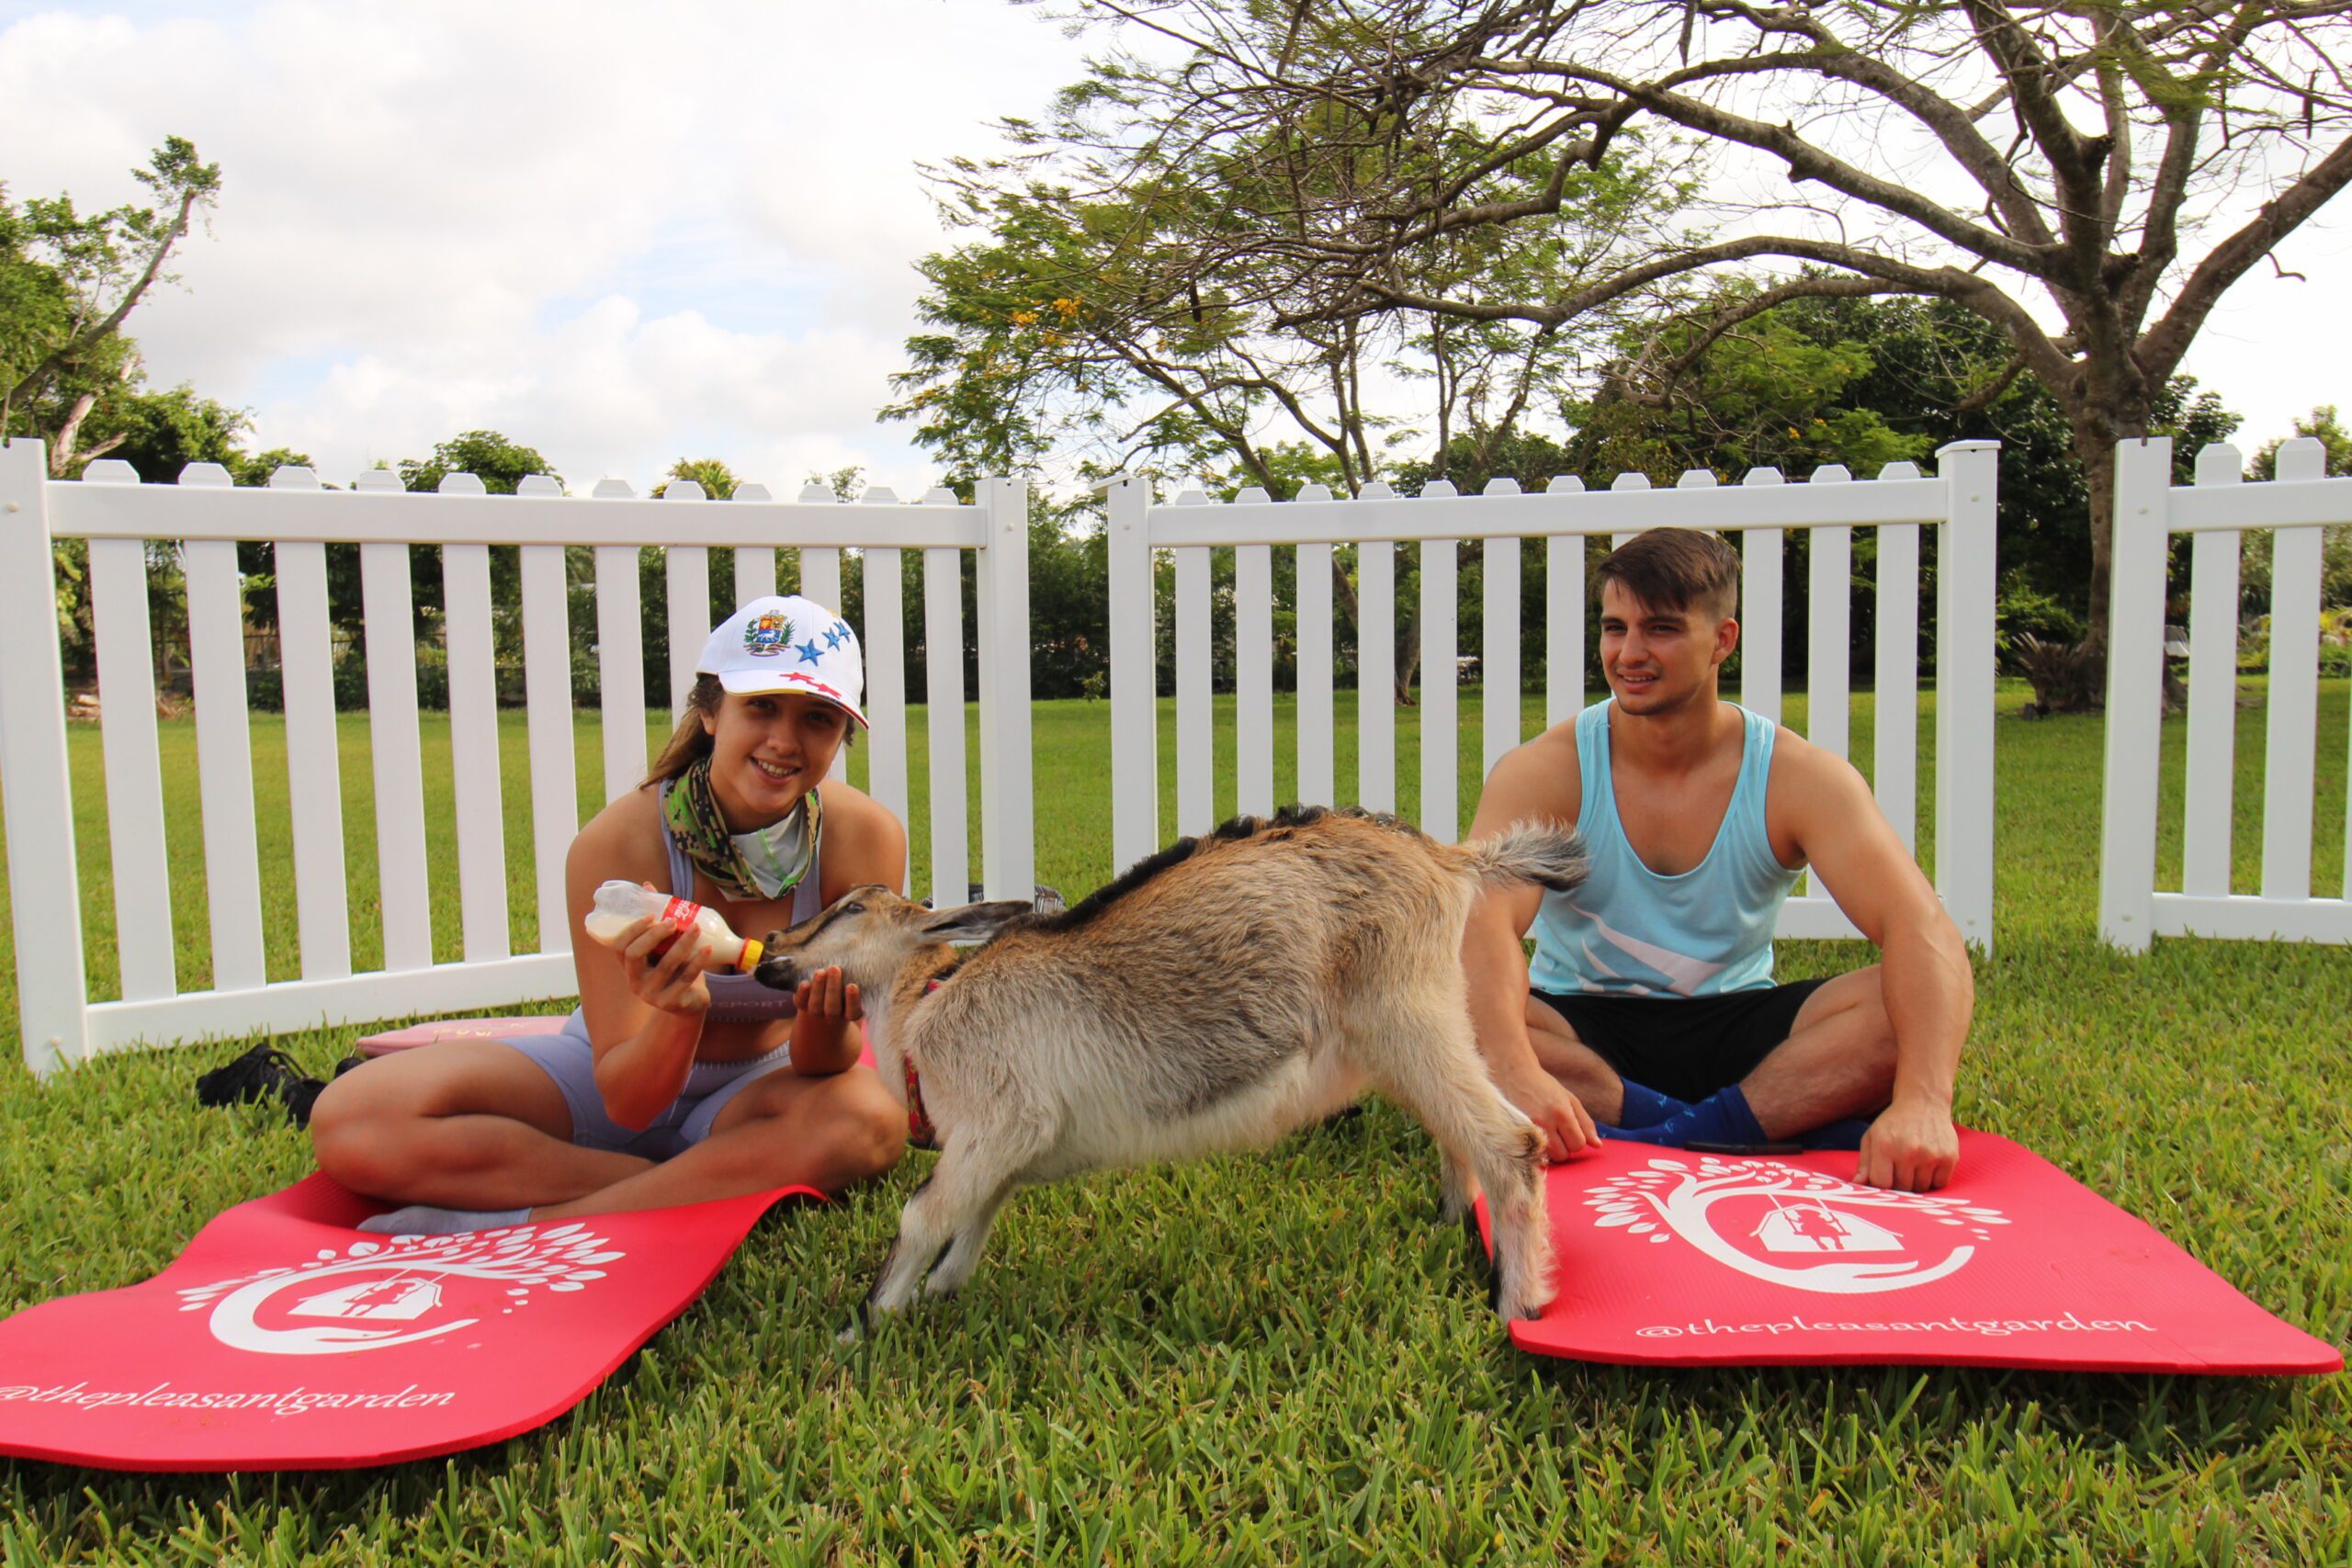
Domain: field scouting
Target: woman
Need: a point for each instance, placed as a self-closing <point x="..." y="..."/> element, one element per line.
<point x="670" y="1084"/>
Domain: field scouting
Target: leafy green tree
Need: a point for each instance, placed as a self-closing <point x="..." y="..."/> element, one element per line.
<point x="500" y="465"/>
<point x="160" y="434"/>
<point x="2335" y="561"/>
<point x="67" y="282"/>
<point x="1863" y="381"/>
<point x="2089" y="181"/>
<point x="716" y="480"/>
<point x="719" y="482"/>
<point x="1088" y="323"/>
<point x="2325" y="425"/>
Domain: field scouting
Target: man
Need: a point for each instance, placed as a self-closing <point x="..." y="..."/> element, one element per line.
<point x="1652" y="1008"/>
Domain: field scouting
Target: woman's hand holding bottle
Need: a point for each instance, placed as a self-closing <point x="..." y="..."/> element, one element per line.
<point x="666" y="944"/>
<point x="665" y="966"/>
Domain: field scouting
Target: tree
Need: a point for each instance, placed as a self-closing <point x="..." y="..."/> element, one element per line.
<point x="1864" y="381"/>
<point x="500" y="464"/>
<point x="2326" y="425"/>
<point x="716" y="480"/>
<point x="2335" y="565"/>
<point x="2054" y="170"/>
<point x="67" y="282"/>
<point x="1085" y="324"/>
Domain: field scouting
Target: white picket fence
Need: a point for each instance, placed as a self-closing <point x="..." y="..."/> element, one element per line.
<point x="1961" y="500"/>
<point x="117" y="516"/>
<point x="2217" y="510"/>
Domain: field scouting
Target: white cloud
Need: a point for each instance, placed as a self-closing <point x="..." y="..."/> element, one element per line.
<point x="615" y="232"/>
<point x="625" y="234"/>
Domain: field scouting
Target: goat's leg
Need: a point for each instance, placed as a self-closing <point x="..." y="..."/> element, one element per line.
<point x="963" y="1253"/>
<point x="1430" y="1067"/>
<point x="975" y="1175"/>
<point x="1457" y="1186"/>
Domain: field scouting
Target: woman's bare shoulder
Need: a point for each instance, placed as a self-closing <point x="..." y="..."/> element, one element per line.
<point x="844" y="802"/>
<point x="864" y="840"/>
<point x="627" y="838"/>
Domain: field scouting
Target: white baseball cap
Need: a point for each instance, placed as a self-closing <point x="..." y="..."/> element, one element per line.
<point x="785" y="643"/>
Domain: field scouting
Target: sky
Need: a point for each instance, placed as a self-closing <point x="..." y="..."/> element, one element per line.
<point x="627" y="234"/>
<point x="620" y="233"/>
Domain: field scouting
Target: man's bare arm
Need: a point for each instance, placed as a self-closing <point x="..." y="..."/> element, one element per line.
<point x="1526" y="786"/>
<point x="1930" y="989"/>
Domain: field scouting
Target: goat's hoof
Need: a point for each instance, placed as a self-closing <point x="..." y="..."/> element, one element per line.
<point x="1350" y="1113"/>
<point x="1515" y="1310"/>
<point x="854" y="1330"/>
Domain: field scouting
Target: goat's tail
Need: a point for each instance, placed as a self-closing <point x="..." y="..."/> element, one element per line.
<point x="1530" y="851"/>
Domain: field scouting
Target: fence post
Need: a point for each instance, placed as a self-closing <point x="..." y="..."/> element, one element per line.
<point x="1135" y="679"/>
<point x="2135" y="652"/>
<point x="1008" y="805"/>
<point x="2290" y="754"/>
<point x="1965" y="573"/>
<point x="44" y="884"/>
<point x="1440" y="682"/>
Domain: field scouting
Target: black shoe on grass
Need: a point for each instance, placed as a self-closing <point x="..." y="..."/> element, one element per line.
<point x="261" y="1073"/>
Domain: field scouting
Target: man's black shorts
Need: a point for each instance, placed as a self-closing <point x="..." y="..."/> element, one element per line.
<point x="1685" y="1046"/>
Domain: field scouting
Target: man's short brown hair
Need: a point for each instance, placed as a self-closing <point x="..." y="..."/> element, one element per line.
<point x="1675" y="568"/>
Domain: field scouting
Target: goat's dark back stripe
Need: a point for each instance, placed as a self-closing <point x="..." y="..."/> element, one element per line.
<point x="1092" y="907"/>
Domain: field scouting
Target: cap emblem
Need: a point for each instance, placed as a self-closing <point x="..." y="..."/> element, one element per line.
<point x="766" y="635"/>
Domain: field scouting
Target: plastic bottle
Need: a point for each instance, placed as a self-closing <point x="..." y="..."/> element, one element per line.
<point x="621" y="904"/>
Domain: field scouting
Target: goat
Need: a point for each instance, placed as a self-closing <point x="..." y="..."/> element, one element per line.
<point x="1218" y="995"/>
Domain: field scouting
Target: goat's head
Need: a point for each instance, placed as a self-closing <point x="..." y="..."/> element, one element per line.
<point x="870" y="933"/>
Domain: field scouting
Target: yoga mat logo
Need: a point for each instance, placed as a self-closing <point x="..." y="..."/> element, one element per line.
<point x="376" y="1295"/>
<point x="1800" y="1228"/>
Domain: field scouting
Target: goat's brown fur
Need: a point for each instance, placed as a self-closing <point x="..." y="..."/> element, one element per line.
<point x="1219" y="993"/>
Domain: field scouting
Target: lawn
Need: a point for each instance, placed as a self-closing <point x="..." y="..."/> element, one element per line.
<point x="1281" y="1357"/>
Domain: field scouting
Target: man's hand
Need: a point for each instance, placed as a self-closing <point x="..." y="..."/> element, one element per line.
<point x="1559" y="1116"/>
<point x="1911" y="1148"/>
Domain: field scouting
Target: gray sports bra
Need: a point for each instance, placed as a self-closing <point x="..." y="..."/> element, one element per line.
<point x="739" y="999"/>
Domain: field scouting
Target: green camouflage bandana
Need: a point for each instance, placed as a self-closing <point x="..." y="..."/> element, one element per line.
<point x="691" y="811"/>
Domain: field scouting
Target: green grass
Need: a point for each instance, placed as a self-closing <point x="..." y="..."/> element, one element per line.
<point x="1280" y="1358"/>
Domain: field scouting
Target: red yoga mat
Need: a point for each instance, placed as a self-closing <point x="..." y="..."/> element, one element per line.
<point x="284" y="1340"/>
<point x="1681" y="1259"/>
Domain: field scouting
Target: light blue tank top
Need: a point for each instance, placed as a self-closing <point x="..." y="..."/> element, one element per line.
<point x="1629" y="931"/>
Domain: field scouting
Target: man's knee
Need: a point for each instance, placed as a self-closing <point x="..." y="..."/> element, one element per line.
<point x="1870" y="1027"/>
<point x="1877" y="1024"/>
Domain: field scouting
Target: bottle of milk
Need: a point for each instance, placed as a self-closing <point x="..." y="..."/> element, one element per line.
<point x="620" y="904"/>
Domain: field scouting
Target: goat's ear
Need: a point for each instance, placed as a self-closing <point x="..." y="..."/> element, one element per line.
<point x="968" y="923"/>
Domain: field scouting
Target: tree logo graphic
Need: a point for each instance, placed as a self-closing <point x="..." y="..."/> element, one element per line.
<point x="1800" y="1228"/>
<point x="407" y="1281"/>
